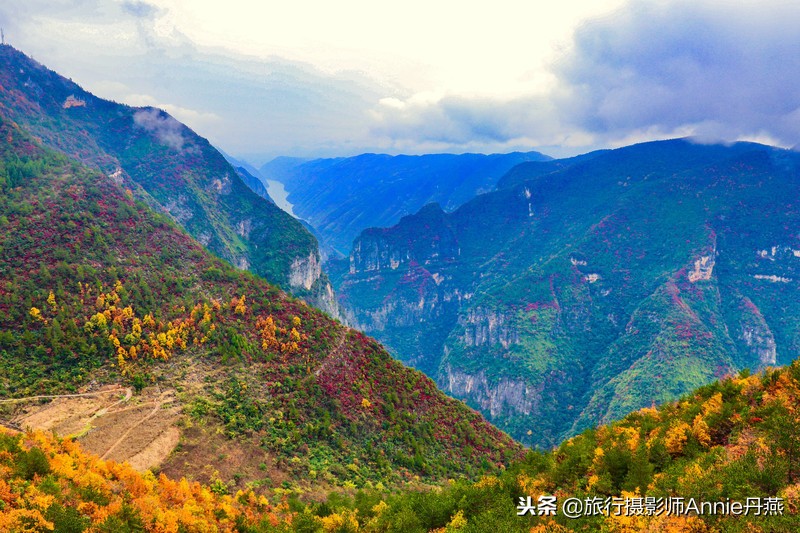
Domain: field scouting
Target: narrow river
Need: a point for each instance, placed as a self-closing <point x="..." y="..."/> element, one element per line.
<point x="278" y="193"/>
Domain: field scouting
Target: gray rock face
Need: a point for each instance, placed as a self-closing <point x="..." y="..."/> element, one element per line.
<point x="178" y="209"/>
<point x="305" y="271"/>
<point x="763" y="344"/>
<point x="428" y="242"/>
<point x="505" y="396"/>
<point x="373" y="254"/>
<point x="325" y="299"/>
<point x="758" y="338"/>
<point x="488" y="326"/>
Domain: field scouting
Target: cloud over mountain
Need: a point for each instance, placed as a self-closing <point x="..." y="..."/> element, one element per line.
<point x="165" y="128"/>
<point x="649" y="69"/>
<point x="710" y="69"/>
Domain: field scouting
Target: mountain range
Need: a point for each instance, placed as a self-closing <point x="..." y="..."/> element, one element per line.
<point x="340" y="197"/>
<point x="562" y="298"/>
<point x="168" y="166"/>
<point x="582" y="289"/>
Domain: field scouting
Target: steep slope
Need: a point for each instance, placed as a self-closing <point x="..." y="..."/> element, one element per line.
<point x="166" y="164"/>
<point x="341" y="197"/>
<point x="254" y="183"/>
<point x="723" y="459"/>
<point x="580" y="294"/>
<point x="98" y="289"/>
<point x="249" y="175"/>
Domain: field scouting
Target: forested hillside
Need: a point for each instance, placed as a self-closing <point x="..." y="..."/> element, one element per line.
<point x="723" y="459"/>
<point x="98" y="289"/>
<point x="730" y="446"/>
<point x="169" y="167"/>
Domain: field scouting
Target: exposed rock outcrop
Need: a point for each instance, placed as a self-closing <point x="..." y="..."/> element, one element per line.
<point x="431" y="241"/>
<point x="503" y="396"/>
<point x="756" y="335"/>
<point x="373" y="254"/>
<point x="305" y="271"/>
<point x="488" y="326"/>
<point x="703" y="268"/>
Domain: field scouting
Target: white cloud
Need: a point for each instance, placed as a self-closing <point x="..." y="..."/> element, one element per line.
<point x="720" y="70"/>
<point x="336" y="78"/>
<point x="165" y="128"/>
<point x="654" y="70"/>
<point x="201" y="119"/>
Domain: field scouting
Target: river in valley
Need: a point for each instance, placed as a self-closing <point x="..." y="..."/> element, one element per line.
<point x="278" y="193"/>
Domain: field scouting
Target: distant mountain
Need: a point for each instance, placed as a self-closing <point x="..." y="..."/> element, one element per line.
<point x="249" y="176"/>
<point x="100" y="289"/>
<point x="589" y="288"/>
<point x="526" y="171"/>
<point x="167" y="165"/>
<point x="342" y="197"/>
<point x="278" y="168"/>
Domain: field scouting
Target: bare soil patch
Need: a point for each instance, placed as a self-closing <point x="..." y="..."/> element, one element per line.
<point x="110" y="422"/>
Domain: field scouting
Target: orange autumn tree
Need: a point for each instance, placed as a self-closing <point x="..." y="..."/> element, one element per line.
<point x="47" y="484"/>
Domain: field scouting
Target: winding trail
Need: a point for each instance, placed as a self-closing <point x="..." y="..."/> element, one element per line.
<point x="101" y="412"/>
<point x="334" y="354"/>
<point x="128" y="394"/>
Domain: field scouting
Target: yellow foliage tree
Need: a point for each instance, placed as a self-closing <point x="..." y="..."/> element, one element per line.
<point x="700" y="431"/>
<point x="713" y="405"/>
<point x="676" y="438"/>
<point x="238" y="305"/>
<point x="36" y="314"/>
<point x="457" y="521"/>
<point x="346" y="520"/>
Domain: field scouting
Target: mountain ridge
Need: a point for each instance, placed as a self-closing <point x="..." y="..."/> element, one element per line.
<point x="103" y="290"/>
<point x="342" y="196"/>
<point x="561" y="298"/>
<point x="169" y="166"/>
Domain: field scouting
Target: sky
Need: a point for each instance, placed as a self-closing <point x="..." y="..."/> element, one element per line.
<point x="313" y="78"/>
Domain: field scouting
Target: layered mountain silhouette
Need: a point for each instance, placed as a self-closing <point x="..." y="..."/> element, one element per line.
<point x="578" y="290"/>
<point x="340" y="197"/>
<point x="170" y="167"/>
<point x="102" y="288"/>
